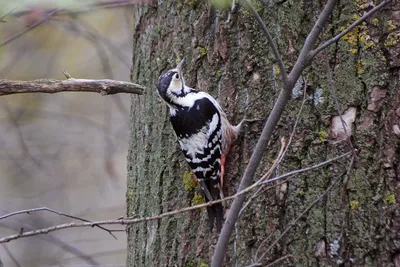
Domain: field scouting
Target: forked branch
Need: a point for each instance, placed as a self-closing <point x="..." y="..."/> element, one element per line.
<point x="333" y="40"/>
<point x="273" y="119"/>
<point x="304" y="59"/>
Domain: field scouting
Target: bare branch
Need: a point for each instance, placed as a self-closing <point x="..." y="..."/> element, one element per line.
<point x="271" y="41"/>
<point x="274" y="262"/>
<point x="297" y="119"/>
<point x="11" y="255"/>
<point x="5" y="15"/>
<point x="286" y="148"/>
<point x="46" y="18"/>
<point x="52" y="12"/>
<point x="337" y="104"/>
<point x="322" y="196"/>
<point x="307" y="168"/>
<point x="104" y="87"/>
<point x="24" y="147"/>
<point x="89" y="7"/>
<point x="315" y="52"/>
<point x="318" y="199"/>
<point x="66" y="74"/>
<point x="126" y="221"/>
<point x="273" y="119"/>
<point x="303" y="60"/>
<point x="29" y="211"/>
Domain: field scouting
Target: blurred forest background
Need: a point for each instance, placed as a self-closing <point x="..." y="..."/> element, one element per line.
<point x="64" y="151"/>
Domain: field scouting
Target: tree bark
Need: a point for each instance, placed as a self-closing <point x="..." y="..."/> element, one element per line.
<point x="358" y="222"/>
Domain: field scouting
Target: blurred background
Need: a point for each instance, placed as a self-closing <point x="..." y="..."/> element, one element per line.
<point x="65" y="151"/>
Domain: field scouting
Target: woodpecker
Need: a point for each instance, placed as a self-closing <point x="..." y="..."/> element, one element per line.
<point x="204" y="135"/>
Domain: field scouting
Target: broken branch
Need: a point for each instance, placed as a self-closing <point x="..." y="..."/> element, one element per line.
<point x="104" y="87"/>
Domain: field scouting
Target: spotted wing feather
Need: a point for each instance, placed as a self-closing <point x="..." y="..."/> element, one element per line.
<point x="199" y="132"/>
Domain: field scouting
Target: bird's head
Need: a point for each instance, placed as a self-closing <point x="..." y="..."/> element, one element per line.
<point x="171" y="84"/>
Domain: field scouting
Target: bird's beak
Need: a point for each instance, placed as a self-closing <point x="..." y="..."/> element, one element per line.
<point x="179" y="67"/>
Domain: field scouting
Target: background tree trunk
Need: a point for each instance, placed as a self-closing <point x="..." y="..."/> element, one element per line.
<point x="358" y="223"/>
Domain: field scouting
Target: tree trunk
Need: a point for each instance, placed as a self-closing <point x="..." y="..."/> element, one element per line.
<point x="358" y="222"/>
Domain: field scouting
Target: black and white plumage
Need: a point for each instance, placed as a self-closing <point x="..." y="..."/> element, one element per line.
<point x="204" y="135"/>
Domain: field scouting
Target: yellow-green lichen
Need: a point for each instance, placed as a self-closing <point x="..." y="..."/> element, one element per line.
<point x="362" y="4"/>
<point x="193" y="3"/>
<point x="197" y="200"/>
<point x="203" y="265"/>
<point x="256" y="4"/>
<point x="391" y="40"/>
<point x="203" y="50"/>
<point x="360" y="66"/>
<point x="353" y="51"/>
<point x="178" y="60"/>
<point x="350" y="37"/>
<point x="322" y="134"/>
<point x="130" y="193"/>
<point x="389" y="198"/>
<point x="218" y="73"/>
<point x="221" y="4"/>
<point x="391" y="26"/>
<point x="358" y="38"/>
<point x="277" y="70"/>
<point x="354" y="204"/>
<point x="189" y="181"/>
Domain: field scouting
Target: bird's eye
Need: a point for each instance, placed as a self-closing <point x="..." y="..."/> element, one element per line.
<point x="177" y="76"/>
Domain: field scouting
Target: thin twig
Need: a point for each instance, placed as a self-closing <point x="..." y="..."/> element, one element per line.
<point x="286" y="148"/>
<point x="335" y="98"/>
<point x="304" y="60"/>
<point x="297" y="120"/>
<point x="15" y="120"/>
<point x="126" y="221"/>
<point x="11" y="255"/>
<point x="98" y="46"/>
<point x="271" y="41"/>
<point x="93" y="35"/>
<point x="66" y="74"/>
<point x="29" y="211"/>
<point x="318" y="199"/>
<point x="280" y="259"/>
<point x="310" y="207"/>
<point x="89" y="7"/>
<point x="5" y="15"/>
<point x="262" y="187"/>
<point x="338" y="109"/>
<point x="274" y="262"/>
<point x="104" y="87"/>
<point x="315" y="52"/>
<point x="301" y="171"/>
<point x="52" y="12"/>
<point x="308" y="168"/>
<point x="46" y="18"/>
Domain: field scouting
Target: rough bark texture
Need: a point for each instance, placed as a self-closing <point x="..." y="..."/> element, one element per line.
<point x="358" y="224"/>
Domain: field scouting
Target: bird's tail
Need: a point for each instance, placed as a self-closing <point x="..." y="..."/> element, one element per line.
<point x="215" y="216"/>
<point x="216" y="211"/>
